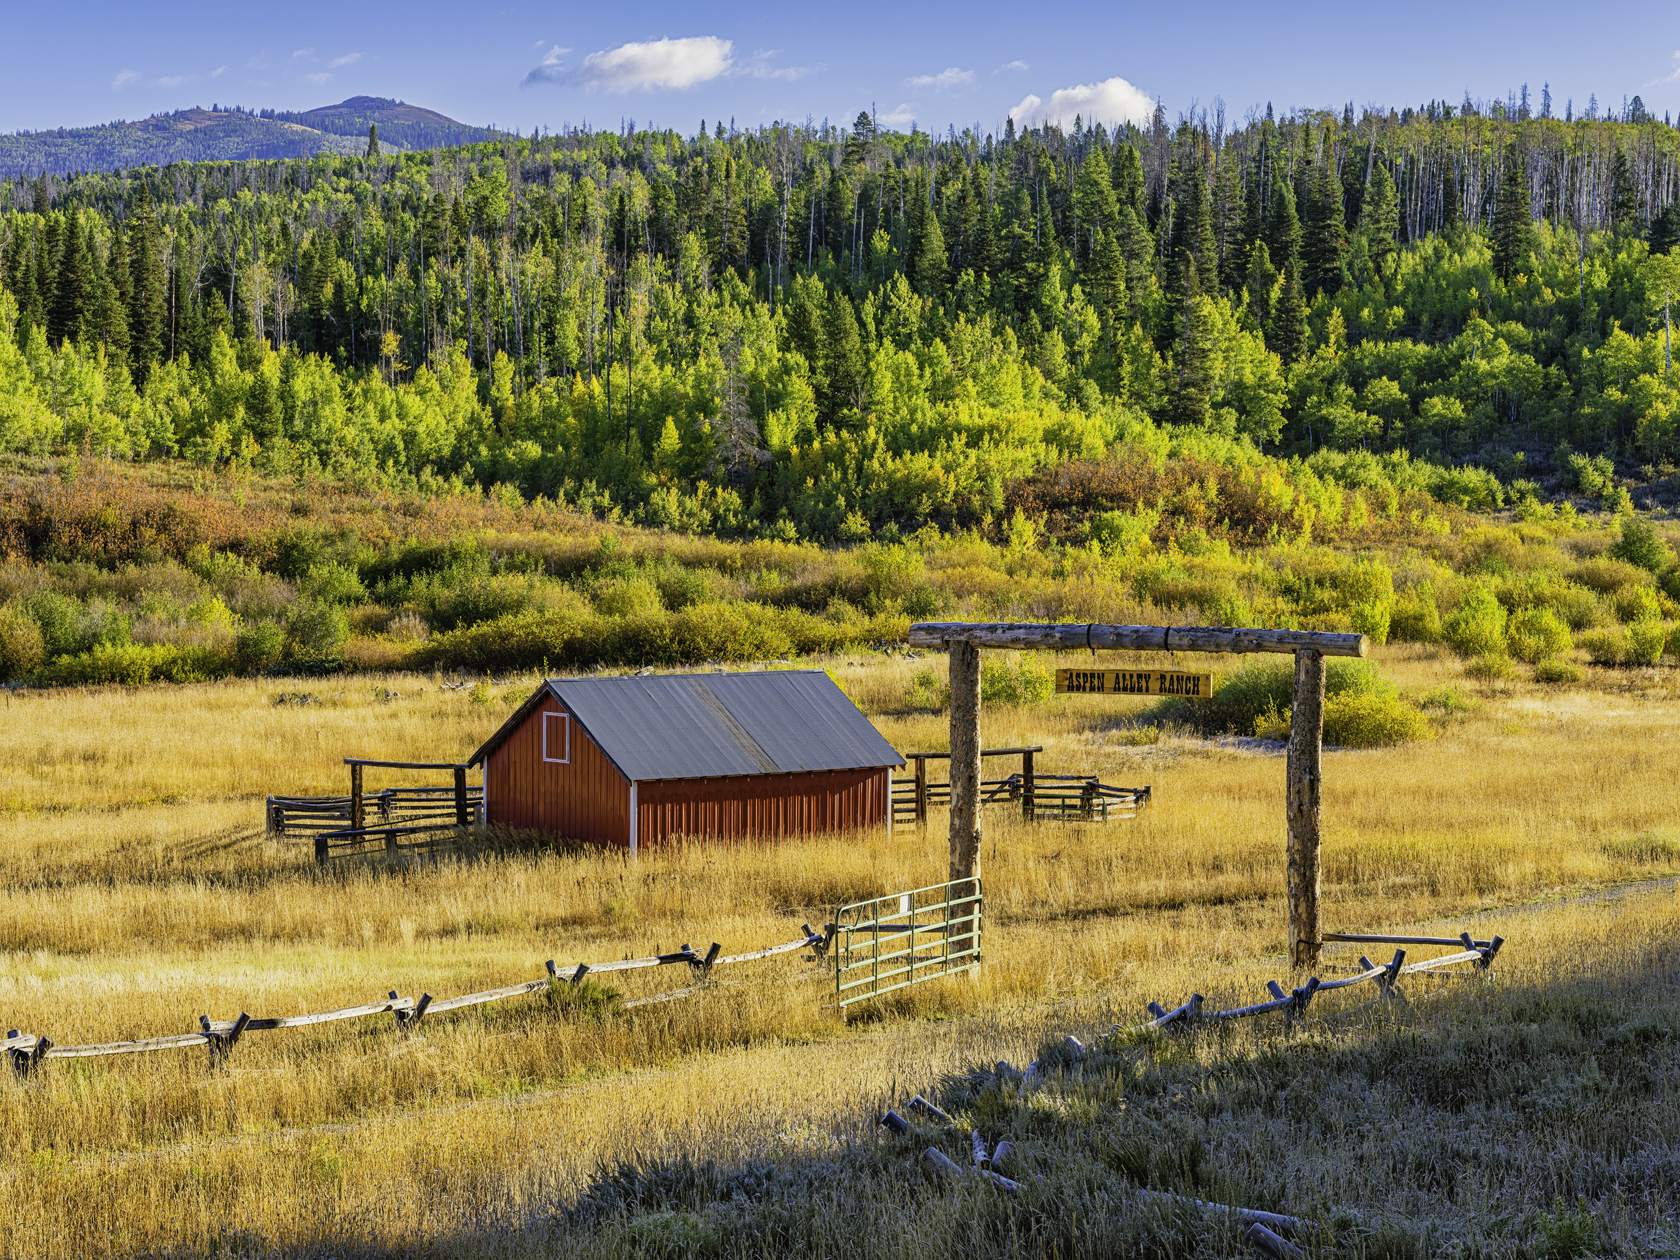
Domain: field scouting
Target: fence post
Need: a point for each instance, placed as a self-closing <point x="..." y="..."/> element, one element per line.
<point x="1305" y="775"/>
<point x="358" y="815"/>
<point x="321" y="847"/>
<point x="921" y="791"/>
<point x="1027" y="784"/>
<point x="461" y="819"/>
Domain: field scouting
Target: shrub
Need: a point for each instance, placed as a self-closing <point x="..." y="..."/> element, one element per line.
<point x="1028" y="682"/>
<point x="22" y="648"/>
<point x="1490" y="667"/>
<point x="60" y="619"/>
<point x="1558" y="671"/>
<point x="927" y="692"/>
<point x="1477" y="625"/>
<point x="1639" y="544"/>
<point x="1536" y="633"/>
<point x="1367" y="589"/>
<point x="1606" y="646"/>
<point x="259" y="646"/>
<point x="1636" y="603"/>
<point x="1372" y="721"/>
<point x="1646" y="640"/>
<point x="583" y="1002"/>
<point x="1264" y="690"/>
<point x="626" y="597"/>
<point x="316" y="630"/>
<point x="333" y="583"/>
<point x="1607" y="576"/>
<point x="134" y="664"/>
<point x="1415" y="617"/>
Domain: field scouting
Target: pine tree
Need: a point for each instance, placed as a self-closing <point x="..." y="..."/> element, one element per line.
<point x="1379" y="218"/>
<point x="72" y="286"/>
<point x="1289" y="317"/>
<point x="109" y="314"/>
<point x="373" y="140"/>
<point x="1323" y="234"/>
<point x="931" y="262"/>
<point x="1191" y="355"/>
<point x="1191" y="245"/>
<point x="1283" y="227"/>
<point x="1513" y="227"/>
<point x="148" y="308"/>
<point x="1624" y="196"/>
<point x="1096" y="207"/>
<point x="1665" y="229"/>
<point x="1261" y="281"/>
<point x="844" y="367"/>
<point x="1449" y="200"/>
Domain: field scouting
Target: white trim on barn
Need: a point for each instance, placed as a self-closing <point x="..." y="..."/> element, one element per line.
<point x="632" y="818"/>
<point x="563" y="743"/>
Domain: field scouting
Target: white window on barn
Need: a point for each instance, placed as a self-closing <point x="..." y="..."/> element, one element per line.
<point x="557" y="738"/>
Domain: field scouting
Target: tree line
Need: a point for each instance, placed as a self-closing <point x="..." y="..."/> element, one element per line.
<point x="820" y="328"/>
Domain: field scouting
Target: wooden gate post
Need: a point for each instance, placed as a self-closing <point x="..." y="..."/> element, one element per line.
<point x="1027" y="784"/>
<point x="358" y="815"/>
<point x="965" y="773"/>
<point x="921" y="791"/>
<point x="1306" y="751"/>
<point x="461" y="819"/>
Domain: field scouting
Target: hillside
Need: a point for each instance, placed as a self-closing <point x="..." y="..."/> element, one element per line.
<point x="231" y="134"/>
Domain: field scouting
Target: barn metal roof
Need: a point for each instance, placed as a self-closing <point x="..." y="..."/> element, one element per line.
<point x="691" y="726"/>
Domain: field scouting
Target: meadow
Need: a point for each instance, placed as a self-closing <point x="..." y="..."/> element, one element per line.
<point x="139" y="891"/>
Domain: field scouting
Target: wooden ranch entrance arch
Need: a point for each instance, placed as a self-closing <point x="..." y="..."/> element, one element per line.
<point x="1306" y="728"/>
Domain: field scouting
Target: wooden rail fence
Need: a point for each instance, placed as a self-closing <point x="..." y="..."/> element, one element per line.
<point x="27" y="1051"/>
<point x="400" y="811"/>
<point x="1040" y="797"/>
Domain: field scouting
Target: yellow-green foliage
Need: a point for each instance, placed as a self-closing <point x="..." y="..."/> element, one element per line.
<point x="1537" y="633"/>
<point x="1646" y="640"/>
<point x="1027" y="680"/>
<point x="1477" y="626"/>
<point x="21" y="644"/>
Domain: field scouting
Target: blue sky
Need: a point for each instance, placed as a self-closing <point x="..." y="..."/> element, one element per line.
<point x="525" y="65"/>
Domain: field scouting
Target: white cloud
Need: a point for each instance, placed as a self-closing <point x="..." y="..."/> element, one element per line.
<point x="318" y="78"/>
<point x="218" y="72"/>
<point x="660" y="63"/>
<point x="125" y="78"/>
<point x="550" y="70"/>
<point x="899" y="118"/>
<point x="1670" y="77"/>
<point x="172" y="80"/>
<point x="1111" y="101"/>
<point x="539" y="43"/>
<point x="759" y="67"/>
<point x="349" y="59"/>
<point x="1012" y="65"/>
<point x="944" y="81"/>
<point x="303" y="52"/>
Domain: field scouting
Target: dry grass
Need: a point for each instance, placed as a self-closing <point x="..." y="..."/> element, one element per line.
<point x="138" y="892"/>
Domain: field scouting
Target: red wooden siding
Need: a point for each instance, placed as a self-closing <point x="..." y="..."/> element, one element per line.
<point x="586" y="800"/>
<point x="762" y="805"/>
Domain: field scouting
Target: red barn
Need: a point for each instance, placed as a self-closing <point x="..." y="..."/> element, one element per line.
<point x="631" y="761"/>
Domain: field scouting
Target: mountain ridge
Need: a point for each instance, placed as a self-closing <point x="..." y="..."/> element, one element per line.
<point x="232" y="133"/>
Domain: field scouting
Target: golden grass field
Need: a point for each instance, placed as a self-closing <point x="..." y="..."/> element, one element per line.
<point x="140" y="892"/>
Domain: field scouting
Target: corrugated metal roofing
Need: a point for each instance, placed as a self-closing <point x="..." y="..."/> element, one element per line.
<point x="690" y="726"/>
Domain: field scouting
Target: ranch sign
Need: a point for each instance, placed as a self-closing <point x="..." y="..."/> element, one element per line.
<point x="1133" y="682"/>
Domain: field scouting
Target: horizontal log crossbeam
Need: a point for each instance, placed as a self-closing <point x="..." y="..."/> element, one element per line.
<point x="1082" y="636"/>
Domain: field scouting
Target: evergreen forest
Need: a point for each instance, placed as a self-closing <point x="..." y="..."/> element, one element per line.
<point x="820" y="332"/>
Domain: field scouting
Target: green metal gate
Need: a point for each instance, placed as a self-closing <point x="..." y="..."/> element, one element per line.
<point x="905" y="938"/>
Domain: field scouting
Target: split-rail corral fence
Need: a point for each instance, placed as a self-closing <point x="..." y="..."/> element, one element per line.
<point x="347" y="821"/>
<point x="1041" y="797"/>
<point x="28" y="1051"/>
